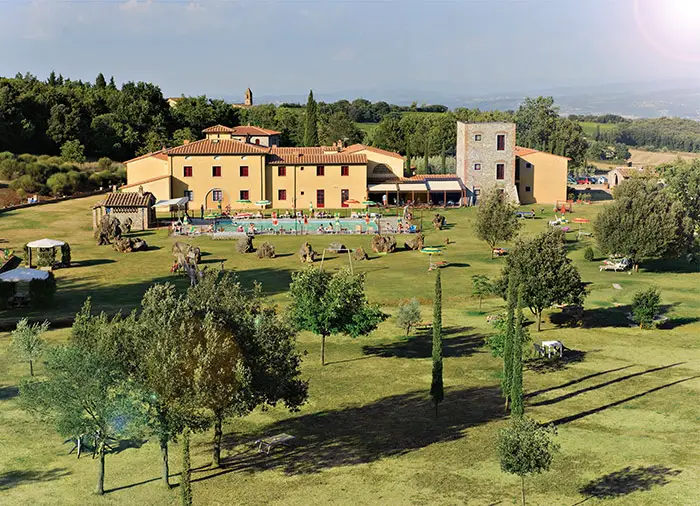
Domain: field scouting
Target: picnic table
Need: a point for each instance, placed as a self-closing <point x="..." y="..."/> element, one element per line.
<point x="268" y="443"/>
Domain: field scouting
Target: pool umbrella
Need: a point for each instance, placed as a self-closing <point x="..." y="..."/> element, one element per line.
<point x="244" y="201"/>
<point x="263" y="203"/>
<point x="369" y="203"/>
<point x="351" y="201"/>
<point x="580" y="222"/>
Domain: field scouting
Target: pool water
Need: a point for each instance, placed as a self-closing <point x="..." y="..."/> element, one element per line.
<point x="264" y="225"/>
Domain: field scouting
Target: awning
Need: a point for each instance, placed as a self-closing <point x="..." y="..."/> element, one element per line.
<point x="445" y="186"/>
<point x="413" y="187"/>
<point x="172" y="202"/>
<point x="23" y="274"/>
<point x="45" y="243"/>
<point x="382" y="187"/>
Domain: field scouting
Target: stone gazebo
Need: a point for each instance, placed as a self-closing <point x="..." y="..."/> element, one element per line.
<point x="138" y="206"/>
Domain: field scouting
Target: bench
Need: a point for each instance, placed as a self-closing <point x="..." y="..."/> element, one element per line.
<point x="268" y="443"/>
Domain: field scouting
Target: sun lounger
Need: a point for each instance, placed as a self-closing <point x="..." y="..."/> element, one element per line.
<point x="268" y="443"/>
<point x="619" y="265"/>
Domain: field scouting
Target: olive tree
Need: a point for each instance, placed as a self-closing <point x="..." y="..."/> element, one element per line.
<point x="408" y="315"/>
<point x="496" y="220"/>
<point x="27" y="341"/>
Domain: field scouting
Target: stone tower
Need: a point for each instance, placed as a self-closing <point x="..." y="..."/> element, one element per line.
<point x="248" y="97"/>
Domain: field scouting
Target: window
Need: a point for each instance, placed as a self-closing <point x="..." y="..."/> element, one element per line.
<point x="517" y="172"/>
<point x="216" y="171"/>
<point x="189" y="194"/>
<point x="244" y="195"/>
<point x="500" y="171"/>
<point x="345" y="171"/>
<point x="187" y="171"/>
<point x="217" y="195"/>
<point x="344" y="195"/>
<point x="501" y="142"/>
<point x="528" y="165"/>
<point x="477" y="166"/>
<point x="281" y="194"/>
<point x="282" y="171"/>
<point x="257" y="141"/>
<point x="477" y="137"/>
<point x="528" y="189"/>
<point x="320" y="198"/>
<point x="244" y="171"/>
<point x="320" y="170"/>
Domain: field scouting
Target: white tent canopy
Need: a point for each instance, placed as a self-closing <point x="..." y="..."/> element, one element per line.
<point x="448" y="186"/>
<point x="172" y="202"/>
<point x="45" y="243"/>
<point x="23" y="274"/>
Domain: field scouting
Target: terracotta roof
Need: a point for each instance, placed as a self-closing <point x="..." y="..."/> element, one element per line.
<point x="629" y="171"/>
<point x="426" y="177"/>
<point x="131" y="199"/>
<point x="520" y="151"/>
<point x="145" y="181"/>
<point x="160" y="154"/>
<point x="252" y="130"/>
<point x="361" y="147"/>
<point x="307" y="150"/>
<point x="312" y="156"/>
<point x="218" y="147"/>
<point x="217" y="129"/>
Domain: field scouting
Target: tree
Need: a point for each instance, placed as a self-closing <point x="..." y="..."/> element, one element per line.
<point x="326" y="304"/>
<point x="683" y="184"/>
<point x="443" y="160"/>
<point x="437" y="391"/>
<point x="85" y="396"/>
<point x="644" y="221"/>
<point x="73" y="151"/>
<point x="27" y="342"/>
<point x="516" y="393"/>
<point x="100" y="82"/>
<point x="547" y="275"/>
<point x="338" y="126"/>
<point x="481" y="287"/>
<point x="525" y="448"/>
<point x="388" y="134"/>
<point x="495" y="218"/>
<point x="508" y="341"/>
<point x="186" y="475"/>
<point x="311" y="123"/>
<point x="645" y="306"/>
<point x="408" y="315"/>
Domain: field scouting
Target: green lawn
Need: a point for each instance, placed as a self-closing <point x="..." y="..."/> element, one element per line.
<point x="625" y="403"/>
<point x="589" y="128"/>
<point x="368" y="129"/>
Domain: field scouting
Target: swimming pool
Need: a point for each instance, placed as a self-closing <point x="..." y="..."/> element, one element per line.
<point x="346" y="225"/>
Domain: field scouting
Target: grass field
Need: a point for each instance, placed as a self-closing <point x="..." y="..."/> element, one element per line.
<point x="590" y="127"/>
<point x="624" y="401"/>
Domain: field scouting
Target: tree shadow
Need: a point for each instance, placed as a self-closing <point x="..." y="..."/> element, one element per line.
<point x="420" y="346"/>
<point x="543" y="365"/>
<point x="388" y="427"/>
<point x="627" y="481"/>
<point x="125" y="444"/>
<point x="458" y="264"/>
<point x="575" y="381"/>
<point x="679" y="265"/>
<point x="8" y="392"/>
<point x="11" y="479"/>
<point x="615" y="316"/>
<point x="582" y="414"/>
<point x="602" y="385"/>
<point x="92" y="262"/>
<point x="672" y="323"/>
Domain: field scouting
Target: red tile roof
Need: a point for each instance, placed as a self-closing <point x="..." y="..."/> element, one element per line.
<point x="312" y="156"/>
<point x="252" y="130"/>
<point x="145" y="181"/>
<point x="217" y="129"/>
<point x="520" y="151"/>
<point x="218" y="147"/>
<point x="361" y="147"/>
<point x="425" y="177"/>
<point x="132" y="199"/>
<point x="307" y="150"/>
<point x="160" y="154"/>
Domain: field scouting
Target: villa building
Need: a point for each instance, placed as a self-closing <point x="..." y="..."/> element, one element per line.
<point x="236" y="167"/>
<point x="488" y="157"/>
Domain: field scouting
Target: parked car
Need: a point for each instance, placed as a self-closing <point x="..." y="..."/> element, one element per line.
<point x="570" y="180"/>
<point x="592" y="179"/>
<point x="582" y="180"/>
<point x="602" y="180"/>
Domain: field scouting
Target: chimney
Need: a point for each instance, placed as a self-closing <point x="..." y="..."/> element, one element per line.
<point x="140" y="191"/>
<point x="186" y="141"/>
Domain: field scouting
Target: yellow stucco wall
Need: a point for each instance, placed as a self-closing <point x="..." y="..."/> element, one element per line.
<point x="301" y="181"/>
<point x="546" y="178"/>
<point x="374" y="159"/>
<point x="160" y="188"/>
<point x="230" y="181"/>
<point x="145" y="168"/>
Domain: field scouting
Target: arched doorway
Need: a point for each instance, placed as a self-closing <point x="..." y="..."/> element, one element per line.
<point x="214" y="199"/>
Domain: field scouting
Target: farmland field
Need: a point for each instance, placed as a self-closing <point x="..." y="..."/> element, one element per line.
<point x="624" y="400"/>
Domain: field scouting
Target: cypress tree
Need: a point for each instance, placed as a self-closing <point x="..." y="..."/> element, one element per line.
<point x="425" y="160"/>
<point x="100" y="81"/>
<point x="443" y="160"/>
<point x="437" y="391"/>
<point x="508" y="344"/>
<point x="407" y="170"/>
<point x="52" y="79"/>
<point x="112" y="84"/>
<point x="185" y="480"/>
<point x="311" y="125"/>
<point x="516" y="388"/>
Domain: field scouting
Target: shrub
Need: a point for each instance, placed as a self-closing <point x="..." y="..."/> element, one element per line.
<point x="65" y="255"/>
<point x="497" y="341"/>
<point x="104" y="163"/>
<point x="73" y="151"/>
<point x="645" y="306"/>
<point x="7" y="290"/>
<point x="589" y="254"/>
<point x="42" y="291"/>
<point x="46" y="257"/>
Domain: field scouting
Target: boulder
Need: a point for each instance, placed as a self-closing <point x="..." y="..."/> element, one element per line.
<point x="415" y="243"/>
<point x="307" y="253"/>
<point x="359" y="254"/>
<point x="337" y="246"/>
<point x="245" y="244"/>
<point x="383" y="243"/>
<point x="108" y="230"/>
<point x="139" y="244"/>
<point x="123" y="245"/>
<point x="266" y="250"/>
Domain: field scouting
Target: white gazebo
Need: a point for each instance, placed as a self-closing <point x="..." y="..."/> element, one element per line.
<point x="42" y="244"/>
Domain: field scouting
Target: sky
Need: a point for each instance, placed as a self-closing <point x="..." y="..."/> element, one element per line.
<point x="286" y="47"/>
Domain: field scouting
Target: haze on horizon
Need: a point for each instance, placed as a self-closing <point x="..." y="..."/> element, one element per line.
<point x="286" y="47"/>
